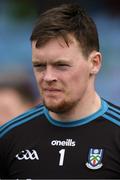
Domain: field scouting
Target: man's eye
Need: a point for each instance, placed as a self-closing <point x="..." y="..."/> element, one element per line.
<point x="39" y="66"/>
<point x="62" y="66"/>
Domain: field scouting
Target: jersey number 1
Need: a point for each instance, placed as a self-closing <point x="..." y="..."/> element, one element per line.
<point x="62" y="155"/>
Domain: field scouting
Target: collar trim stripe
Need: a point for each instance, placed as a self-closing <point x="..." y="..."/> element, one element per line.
<point x="101" y="111"/>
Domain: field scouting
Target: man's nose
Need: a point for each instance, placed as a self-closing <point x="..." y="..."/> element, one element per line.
<point x="49" y="75"/>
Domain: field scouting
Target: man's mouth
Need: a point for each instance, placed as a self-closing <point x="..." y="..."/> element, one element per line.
<point x="51" y="91"/>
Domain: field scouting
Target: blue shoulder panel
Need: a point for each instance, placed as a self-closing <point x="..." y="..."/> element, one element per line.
<point x="27" y="116"/>
<point x="113" y="114"/>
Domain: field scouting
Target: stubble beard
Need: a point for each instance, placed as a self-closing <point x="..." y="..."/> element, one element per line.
<point x="62" y="107"/>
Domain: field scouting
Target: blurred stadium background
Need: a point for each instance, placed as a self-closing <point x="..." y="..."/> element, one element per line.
<point x="16" y="21"/>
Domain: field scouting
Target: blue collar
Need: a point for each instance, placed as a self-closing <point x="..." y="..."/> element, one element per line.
<point x="79" y="122"/>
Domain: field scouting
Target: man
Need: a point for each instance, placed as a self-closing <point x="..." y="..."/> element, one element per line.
<point x="75" y="133"/>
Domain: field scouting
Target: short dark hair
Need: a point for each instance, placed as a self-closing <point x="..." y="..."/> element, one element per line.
<point x="63" y="20"/>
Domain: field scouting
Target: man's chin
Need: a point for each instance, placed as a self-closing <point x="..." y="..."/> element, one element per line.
<point x="58" y="107"/>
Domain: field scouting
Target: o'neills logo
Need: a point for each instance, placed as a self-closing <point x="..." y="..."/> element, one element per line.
<point x="68" y="142"/>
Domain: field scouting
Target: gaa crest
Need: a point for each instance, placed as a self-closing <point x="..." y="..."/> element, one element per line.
<point x="95" y="158"/>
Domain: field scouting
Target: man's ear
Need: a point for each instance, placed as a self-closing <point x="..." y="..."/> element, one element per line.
<point x="95" y="60"/>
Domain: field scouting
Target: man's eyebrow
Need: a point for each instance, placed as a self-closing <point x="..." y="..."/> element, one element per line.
<point x="61" y="61"/>
<point x="56" y="61"/>
<point x="35" y="60"/>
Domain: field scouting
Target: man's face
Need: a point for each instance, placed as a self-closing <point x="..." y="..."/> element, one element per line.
<point x="62" y="73"/>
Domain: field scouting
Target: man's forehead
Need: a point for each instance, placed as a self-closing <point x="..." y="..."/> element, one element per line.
<point x="60" y="40"/>
<point x="55" y="49"/>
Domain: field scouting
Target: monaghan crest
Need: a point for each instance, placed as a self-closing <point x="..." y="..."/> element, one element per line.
<point x="95" y="158"/>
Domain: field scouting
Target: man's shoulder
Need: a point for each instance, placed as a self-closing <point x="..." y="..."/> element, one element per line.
<point x="113" y="105"/>
<point x="113" y="113"/>
<point x="29" y="115"/>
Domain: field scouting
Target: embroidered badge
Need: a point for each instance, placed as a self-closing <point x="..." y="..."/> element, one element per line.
<point x="95" y="158"/>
